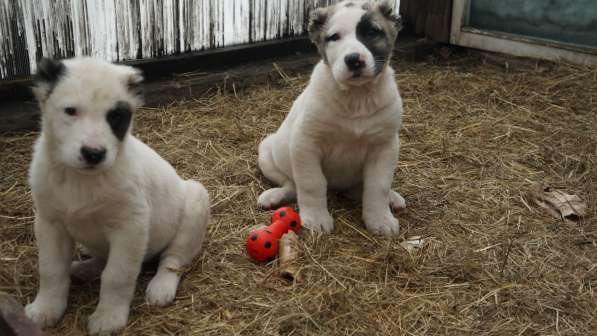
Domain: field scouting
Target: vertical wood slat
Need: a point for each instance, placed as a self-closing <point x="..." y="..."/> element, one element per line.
<point x="119" y="30"/>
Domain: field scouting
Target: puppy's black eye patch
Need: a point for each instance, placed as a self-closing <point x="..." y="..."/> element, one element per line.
<point x="71" y="111"/>
<point x="375" y="32"/>
<point x="119" y="119"/>
<point x="375" y="39"/>
<point x="332" y="38"/>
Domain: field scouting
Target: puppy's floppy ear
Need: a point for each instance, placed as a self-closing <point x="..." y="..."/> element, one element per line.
<point x="49" y="72"/>
<point x="398" y="23"/>
<point x="388" y="12"/>
<point x="134" y="81"/>
<point x="317" y="20"/>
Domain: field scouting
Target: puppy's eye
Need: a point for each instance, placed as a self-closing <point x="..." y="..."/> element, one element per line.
<point x="332" y="38"/>
<point x="71" y="111"/>
<point x="374" y="32"/>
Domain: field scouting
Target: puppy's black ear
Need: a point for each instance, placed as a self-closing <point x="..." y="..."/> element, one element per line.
<point x="317" y="20"/>
<point x="49" y="72"/>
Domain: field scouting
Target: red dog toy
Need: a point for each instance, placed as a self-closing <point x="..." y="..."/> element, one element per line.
<point x="262" y="244"/>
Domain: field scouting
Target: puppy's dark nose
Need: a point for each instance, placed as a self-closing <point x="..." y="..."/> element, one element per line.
<point x="353" y="61"/>
<point x="93" y="156"/>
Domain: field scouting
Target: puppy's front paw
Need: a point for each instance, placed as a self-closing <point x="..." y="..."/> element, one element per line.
<point x="45" y="313"/>
<point x="161" y="290"/>
<point x="382" y="223"/>
<point x="317" y="221"/>
<point x="107" y="321"/>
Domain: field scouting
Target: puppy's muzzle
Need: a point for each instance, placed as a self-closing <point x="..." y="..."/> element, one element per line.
<point x="93" y="156"/>
<point x="354" y="62"/>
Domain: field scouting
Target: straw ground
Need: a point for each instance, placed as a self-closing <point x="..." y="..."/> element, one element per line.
<point x="475" y="134"/>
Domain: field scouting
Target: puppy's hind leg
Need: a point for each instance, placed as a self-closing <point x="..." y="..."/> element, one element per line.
<point x="183" y="248"/>
<point x="273" y="197"/>
<point x="88" y="269"/>
<point x="397" y="202"/>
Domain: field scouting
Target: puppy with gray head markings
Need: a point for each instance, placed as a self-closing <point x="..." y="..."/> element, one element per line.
<point x="342" y="131"/>
<point x="94" y="183"/>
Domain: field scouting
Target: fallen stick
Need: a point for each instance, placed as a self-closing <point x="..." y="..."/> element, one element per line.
<point x="289" y="251"/>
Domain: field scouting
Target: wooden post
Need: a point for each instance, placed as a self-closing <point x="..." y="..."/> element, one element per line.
<point x="429" y="18"/>
<point x="13" y="321"/>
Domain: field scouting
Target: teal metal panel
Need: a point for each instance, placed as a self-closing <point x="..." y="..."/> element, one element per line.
<point x="567" y="21"/>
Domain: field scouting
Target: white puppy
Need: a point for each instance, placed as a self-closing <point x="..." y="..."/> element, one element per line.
<point x="94" y="183"/>
<point x="342" y="131"/>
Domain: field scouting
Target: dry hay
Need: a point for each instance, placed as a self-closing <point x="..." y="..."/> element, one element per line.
<point x="475" y="134"/>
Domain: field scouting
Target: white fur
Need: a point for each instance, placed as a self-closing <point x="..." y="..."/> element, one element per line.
<point x="340" y="134"/>
<point x="131" y="208"/>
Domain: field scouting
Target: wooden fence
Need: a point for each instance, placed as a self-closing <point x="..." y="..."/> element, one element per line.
<point x="119" y="30"/>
